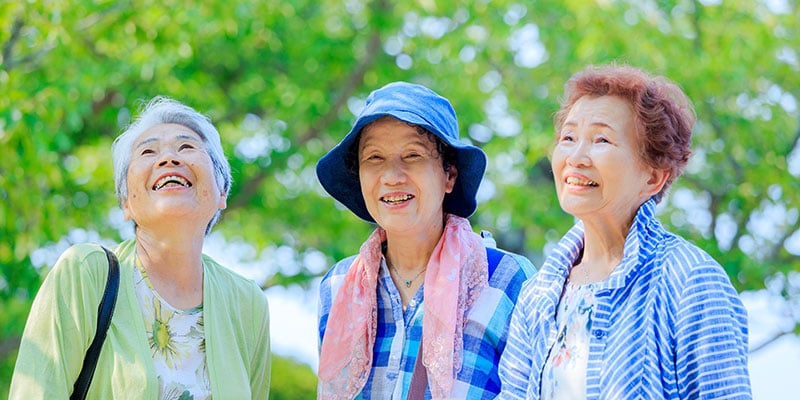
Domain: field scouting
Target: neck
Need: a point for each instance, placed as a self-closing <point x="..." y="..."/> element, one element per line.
<point x="174" y="266"/>
<point x="603" y="249"/>
<point x="409" y="252"/>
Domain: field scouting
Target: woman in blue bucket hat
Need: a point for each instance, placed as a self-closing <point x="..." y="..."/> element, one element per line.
<point x="422" y="310"/>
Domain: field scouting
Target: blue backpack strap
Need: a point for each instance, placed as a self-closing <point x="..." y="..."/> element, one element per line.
<point x="493" y="255"/>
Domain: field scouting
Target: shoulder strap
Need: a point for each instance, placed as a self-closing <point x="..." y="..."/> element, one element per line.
<point x="419" y="379"/>
<point x="104" y="312"/>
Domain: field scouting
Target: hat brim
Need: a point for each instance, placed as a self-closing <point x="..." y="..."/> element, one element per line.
<point x="344" y="185"/>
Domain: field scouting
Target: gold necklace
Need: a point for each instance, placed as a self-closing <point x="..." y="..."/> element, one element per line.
<point x="407" y="282"/>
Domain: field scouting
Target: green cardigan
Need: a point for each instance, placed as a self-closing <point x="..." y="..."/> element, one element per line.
<point x="62" y="322"/>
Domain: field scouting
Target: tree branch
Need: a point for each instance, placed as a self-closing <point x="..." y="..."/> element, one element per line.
<point x="8" y="46"/>
<point x="8" y="345"/>
<point x="698" y="41"/>
<point x="775" y="336"/>
<point x="352" y="83"/>
<point x="796" y="141"/>
<point x="720" y="133"/>
<point x="714" y="207"/>
<point x="780" y="243"/>
<point x="785" y="259"/>
<point x="250" y="188"/>
<point x="741" y="220"/>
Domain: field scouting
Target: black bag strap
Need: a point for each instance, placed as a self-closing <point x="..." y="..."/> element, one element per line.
<point x="419" y="378"/>
<point x="104" y="312"/>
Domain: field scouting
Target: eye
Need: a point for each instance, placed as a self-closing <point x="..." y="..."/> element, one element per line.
<point x="185" y="146"/>
<point x="602" y="139"/>
<point x="147" y="151"/>
<point x="566" y="136"/>
<point x="412" y="156"/>
<point x="372" y="158"/>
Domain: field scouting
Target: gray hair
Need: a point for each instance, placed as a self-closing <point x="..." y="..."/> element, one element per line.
<point x="163" y="110"/>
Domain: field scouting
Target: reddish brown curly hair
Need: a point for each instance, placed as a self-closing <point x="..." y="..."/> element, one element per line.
<point x="662" y="112"/>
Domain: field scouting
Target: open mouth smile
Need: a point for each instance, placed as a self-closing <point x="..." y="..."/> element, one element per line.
<point x="571" y="180"/>
<point x="393" y="200"/>
<point x="169" y="181"/>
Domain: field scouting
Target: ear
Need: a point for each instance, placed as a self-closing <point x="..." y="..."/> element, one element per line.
<point x="655" y="182"/>
<point x="223" y="201"/>
<point x="126" y="210"/>
<point x="452" y="174"/>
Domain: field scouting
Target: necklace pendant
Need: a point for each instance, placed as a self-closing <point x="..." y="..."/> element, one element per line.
<point x="408" y="283"/>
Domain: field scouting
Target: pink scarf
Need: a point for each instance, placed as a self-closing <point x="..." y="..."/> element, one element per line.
<point x="456" y="274"/>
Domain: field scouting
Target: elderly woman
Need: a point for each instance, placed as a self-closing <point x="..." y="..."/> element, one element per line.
<point x="621" y="308"/>
<point x="424" y="307"/>
<point x="184" y="326"/>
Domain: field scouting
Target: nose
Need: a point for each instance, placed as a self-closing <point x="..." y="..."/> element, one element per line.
<point x="579" y="156"/>
<point x="394" y="173"/>
<point x="169" y="157"/>
<point x="170" y="161"/>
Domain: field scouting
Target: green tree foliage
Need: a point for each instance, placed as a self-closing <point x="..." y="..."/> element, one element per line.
<point x="292" y="380"/>
<point x="282" y="80"/>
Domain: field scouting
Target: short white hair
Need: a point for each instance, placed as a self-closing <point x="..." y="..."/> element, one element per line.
<point x="163" y="110"/>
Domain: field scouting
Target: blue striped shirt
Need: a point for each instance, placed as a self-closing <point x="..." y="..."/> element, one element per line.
<point x="399" y="333"/>
<point x="668" y="324"/>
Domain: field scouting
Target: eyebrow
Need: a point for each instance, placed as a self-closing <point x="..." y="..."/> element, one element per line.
<point x="420" y="141"/>
<point x="592" y="123"/>
<point x="155" y="139"/>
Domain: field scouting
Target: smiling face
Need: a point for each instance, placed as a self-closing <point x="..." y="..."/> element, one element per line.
<point x="171" y="177"/>
<point x="598" y="172"/>
<point x="402" y="177"/>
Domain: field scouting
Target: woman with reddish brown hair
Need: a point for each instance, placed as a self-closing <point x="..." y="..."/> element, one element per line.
<point x="622" y="308"/>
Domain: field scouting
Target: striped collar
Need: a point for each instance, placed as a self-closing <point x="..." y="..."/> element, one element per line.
<point x="639" y="245"/>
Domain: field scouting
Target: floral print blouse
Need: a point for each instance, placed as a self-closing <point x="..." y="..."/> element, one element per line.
<point x="177" y="340"/>
<point x="564" y="375"/>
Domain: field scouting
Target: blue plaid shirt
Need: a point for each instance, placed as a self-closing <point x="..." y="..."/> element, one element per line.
<point x="667" y="323"/>
<point x="399" y="333"/>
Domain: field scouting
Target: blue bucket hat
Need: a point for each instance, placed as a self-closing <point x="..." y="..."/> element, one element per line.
<point x="413" y="104"/>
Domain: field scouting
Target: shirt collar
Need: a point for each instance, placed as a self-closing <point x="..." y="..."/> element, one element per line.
<point x="571" y="245"/>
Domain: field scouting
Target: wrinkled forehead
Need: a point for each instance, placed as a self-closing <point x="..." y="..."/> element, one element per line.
<point x="611" y="111"/>
<point x="392" y="131"/>
<point x="167" y="132"/>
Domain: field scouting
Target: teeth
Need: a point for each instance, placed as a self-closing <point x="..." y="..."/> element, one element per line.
<point x="171" y="180"/>
<point x="580" y="182"/>
<point x="396" y="199"/>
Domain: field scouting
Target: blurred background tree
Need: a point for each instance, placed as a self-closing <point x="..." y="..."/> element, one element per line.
<point x="282" y="80"/>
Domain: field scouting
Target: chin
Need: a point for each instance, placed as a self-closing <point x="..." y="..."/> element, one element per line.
<point x="575" y="209"/>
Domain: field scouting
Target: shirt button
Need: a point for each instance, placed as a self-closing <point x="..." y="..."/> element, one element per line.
<point x="598" y="334"/>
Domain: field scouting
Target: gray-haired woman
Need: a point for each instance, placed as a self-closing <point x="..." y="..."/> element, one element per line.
<point x="183" y="326"/>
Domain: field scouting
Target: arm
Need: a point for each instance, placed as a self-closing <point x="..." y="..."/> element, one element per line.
<point x="328" y="288"/>
<point x="324" y="301"/>
<point x="515" y="363"/>
<point x="711" y="338"/>
<point x="60" y="325"/>
<point x="261" y="361"/>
